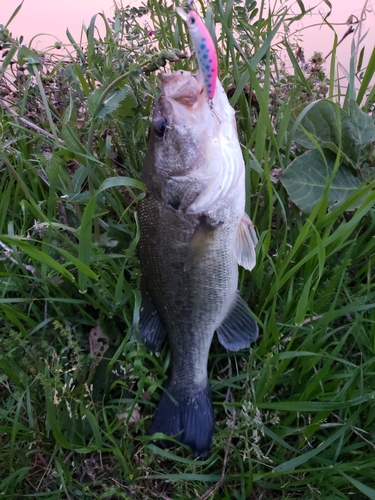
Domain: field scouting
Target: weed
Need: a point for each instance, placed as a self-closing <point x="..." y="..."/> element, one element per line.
<point x="295" y="415"/>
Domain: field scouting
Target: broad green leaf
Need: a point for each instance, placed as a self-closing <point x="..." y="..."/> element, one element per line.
<point x="90" y="41"/>
<point x="81" y="77"/>
<point x="57" y="174"/>
<point x="335" y="129"/>
<point x="321" y="121"/>
<point x="361" y="123"/>
<point x="306" y="179"/>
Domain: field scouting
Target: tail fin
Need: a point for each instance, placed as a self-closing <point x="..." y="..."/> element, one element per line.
<point x="188" y="416"/>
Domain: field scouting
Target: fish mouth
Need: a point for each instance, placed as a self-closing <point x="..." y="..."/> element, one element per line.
<point x="182" y="87"/>
<point x="181" y="103"/>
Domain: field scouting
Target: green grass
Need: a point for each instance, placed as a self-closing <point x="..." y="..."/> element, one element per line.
<point x="295" y="415"/>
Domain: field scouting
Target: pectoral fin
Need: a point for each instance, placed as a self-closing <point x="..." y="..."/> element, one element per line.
<point x="151" y="326"/>
<point x="239" y="328"/>
<point x="201" y="239"/>
<point x="246" y="243"/>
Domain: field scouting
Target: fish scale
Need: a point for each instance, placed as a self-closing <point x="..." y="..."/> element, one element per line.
<point x="204" y="48"/>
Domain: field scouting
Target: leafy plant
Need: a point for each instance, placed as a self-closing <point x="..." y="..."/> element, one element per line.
<point x="295" y="414"/>
<point x="338" y="143"/>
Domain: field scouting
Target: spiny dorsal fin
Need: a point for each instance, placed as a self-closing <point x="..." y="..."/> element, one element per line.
<point x="239" y="328"/>
<point x="246" y="243"/>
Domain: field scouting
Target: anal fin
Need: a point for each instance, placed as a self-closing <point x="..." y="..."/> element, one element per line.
<point x="246" y="243"/>
<point x="151" y="327"/>
<point x="239" y="328"/>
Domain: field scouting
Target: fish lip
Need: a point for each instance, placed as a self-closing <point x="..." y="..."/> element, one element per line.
<point x="182" y="87"/>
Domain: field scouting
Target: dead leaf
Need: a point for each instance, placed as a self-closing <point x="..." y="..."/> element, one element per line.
<point x="98" y="345"/>
<point x="134" y="417"/>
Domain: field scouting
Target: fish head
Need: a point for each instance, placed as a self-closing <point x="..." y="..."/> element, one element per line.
<point x="181" y="116"/>
<point x="193" y="156"/>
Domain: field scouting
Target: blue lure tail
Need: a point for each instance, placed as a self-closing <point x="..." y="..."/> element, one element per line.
<point x="188" y="416"/>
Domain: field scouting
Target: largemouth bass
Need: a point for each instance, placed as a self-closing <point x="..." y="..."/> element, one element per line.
<point x="194" y="233"/>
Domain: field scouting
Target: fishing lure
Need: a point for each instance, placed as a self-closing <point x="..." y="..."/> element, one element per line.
<point x="204" y="49"/>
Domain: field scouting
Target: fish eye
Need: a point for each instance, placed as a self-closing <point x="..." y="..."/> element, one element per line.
<point x="160" y="126"/>
<point x="192" y="20"/>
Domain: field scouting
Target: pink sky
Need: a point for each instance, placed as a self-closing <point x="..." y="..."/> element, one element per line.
<point x="52" y="16"/>
<point x="319" y="37"/>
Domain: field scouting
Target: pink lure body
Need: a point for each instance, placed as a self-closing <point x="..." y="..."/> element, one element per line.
<point x="204" y="49"/>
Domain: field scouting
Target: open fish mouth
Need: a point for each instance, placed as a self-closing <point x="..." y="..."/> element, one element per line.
<point x="182" y="86"/>
<point x="182" y="102"/>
